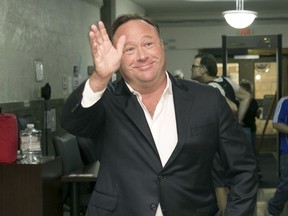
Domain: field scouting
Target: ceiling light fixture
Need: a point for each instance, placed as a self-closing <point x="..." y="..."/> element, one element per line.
<point x="239" y="18"/>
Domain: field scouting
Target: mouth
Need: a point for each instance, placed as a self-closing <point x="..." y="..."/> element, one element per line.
<point x="144" y="66"/>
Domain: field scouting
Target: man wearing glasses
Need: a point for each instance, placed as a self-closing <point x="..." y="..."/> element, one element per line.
<point x="204" y="70"/>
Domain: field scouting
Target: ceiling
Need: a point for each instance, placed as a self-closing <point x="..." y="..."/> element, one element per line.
<point x="171" y="12"/>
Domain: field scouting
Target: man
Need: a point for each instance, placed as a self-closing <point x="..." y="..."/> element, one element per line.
<point x="280" y="123"/>
<point x="204" y="70"/>
<point x="158" y="135"/>
<point x="253" y="112"/>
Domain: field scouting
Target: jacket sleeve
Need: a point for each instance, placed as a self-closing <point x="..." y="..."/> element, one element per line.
<point x="240" y="161"/>
<point x="80" y="121"/>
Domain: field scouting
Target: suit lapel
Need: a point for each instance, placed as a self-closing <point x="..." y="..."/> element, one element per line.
<point x="135" y="113"/>
<point x="137" y="116"/>
<point x="182" y="104"/>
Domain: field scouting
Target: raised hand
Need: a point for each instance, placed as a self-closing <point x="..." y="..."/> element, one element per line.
<point x="106" y="57"/>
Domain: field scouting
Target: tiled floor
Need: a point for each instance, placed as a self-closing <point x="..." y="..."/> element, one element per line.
<point x="263" y="197"/>
<point x="268" y="164"/>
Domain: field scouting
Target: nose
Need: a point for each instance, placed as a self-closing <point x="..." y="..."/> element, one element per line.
<point x="141" y="53"/>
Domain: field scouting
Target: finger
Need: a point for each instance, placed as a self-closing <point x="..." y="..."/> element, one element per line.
<point x="103" y="31"/>
<point x="91" y="38"/>
<point x="96" y="41"/>
<point x="94" y="28"/>
<point x="93" y="34"/>
<point x="99" y="32"/>
<point x="93" y="44"/>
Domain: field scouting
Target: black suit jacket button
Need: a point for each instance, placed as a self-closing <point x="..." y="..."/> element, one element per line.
<point x="162" y="178"/>
<point x="153" y="207"/>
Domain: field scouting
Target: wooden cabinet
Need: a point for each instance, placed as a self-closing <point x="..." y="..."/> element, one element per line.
<point x="31" y="189"/>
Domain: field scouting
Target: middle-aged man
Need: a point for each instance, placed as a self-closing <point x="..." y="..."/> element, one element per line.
<point x="158" y="135"/>
<point x="204" y="70"/>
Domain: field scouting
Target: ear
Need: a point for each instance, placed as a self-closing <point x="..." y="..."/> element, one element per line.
<point x="162" y="44"/>
<point x="203" y="69"/>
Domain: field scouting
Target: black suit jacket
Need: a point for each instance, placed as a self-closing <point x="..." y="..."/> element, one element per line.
<point x="132" y="181"/>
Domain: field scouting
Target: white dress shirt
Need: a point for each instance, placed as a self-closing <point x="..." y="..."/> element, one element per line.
<point x="162" y="125"/>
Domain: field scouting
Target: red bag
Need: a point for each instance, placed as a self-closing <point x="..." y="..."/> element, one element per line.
<point x="8" y="138"/>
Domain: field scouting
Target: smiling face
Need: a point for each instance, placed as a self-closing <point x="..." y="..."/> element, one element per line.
<point x="143" y="60"/>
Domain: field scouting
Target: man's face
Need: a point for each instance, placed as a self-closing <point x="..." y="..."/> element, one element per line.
<point x="143" y="59"/>
<point x="197" y="70"/>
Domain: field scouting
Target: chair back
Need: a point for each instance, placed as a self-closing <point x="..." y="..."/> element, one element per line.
<point x="67" y="147"/>
<point x="88" y="149"/>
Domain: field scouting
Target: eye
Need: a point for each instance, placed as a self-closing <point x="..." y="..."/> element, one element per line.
<point x="148" y="44"/>
<point x="129" y="50"/>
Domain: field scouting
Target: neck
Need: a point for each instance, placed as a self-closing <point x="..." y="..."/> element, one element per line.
<point x="209" y="79"/>
<point x="151" y="88"/>
<point x="151" y="98"/>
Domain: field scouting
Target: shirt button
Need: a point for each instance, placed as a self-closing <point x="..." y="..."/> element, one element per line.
<point x="153" y="207"/>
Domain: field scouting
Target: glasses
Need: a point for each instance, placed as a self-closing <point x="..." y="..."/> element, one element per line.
<point x="196" y="66"/>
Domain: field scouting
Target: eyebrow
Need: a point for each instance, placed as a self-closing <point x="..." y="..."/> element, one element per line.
<point x="142" y="38"/>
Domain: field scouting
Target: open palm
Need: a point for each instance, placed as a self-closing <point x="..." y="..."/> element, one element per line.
<point x="106" y="57"/>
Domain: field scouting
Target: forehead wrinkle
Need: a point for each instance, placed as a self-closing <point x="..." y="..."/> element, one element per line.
<point x="139" y="39"/>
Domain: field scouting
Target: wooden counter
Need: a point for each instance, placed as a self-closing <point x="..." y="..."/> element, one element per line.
<point x="31" y="189"/>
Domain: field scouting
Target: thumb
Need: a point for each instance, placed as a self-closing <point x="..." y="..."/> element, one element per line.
<point x="120" y="44"/>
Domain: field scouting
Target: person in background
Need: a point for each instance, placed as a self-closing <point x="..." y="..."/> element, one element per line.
<point x="158" y="135"/>
<point x="249" y="121"/>
<point x="253" y="112"/>
<point x="280" y="123"/>
<point x="204" y="69"/>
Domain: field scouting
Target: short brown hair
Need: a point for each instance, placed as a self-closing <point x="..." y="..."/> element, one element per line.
<point x="127" y="17"/>
<point x="209" y="62"/>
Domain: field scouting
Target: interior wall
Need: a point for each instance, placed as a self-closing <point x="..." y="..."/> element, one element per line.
<point x="182" y="42"/>
<point x="126" y="6"/>
<point x="55" y="32"/>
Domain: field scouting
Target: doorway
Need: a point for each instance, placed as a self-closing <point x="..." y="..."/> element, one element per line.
<point x="262" y="73"/>
<point x="267" y="86"/>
